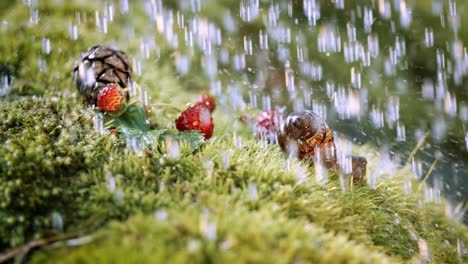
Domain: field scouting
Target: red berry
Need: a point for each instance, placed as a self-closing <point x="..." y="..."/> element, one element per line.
<point x="208" y="101"/>
<point x="113" y="132"/>
<point x="111" y="99"/>
<point x="267" y="124"/>
<point x="196" y="117"/>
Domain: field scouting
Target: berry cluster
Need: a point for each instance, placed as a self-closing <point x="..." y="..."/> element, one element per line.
<point x="195" y="117"/>
<point x="102" y="77"/>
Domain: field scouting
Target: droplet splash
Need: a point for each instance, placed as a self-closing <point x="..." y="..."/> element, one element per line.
<point x="99" y="123"/>
<point x="252" y="191"/>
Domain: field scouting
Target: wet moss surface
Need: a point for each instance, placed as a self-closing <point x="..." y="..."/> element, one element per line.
<point x="232" y="200"/>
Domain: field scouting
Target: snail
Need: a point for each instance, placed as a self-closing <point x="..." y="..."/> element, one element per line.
<point x="99" y="67"/>
<point x="306" y="134"/>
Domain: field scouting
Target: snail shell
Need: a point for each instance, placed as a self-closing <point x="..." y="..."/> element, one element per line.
<point x="309" y="135"/>
<point x="306" y="134"/>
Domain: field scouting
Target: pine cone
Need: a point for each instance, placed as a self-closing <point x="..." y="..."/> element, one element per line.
<point x="99" y="66"/>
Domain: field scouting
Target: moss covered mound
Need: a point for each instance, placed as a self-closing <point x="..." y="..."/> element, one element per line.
<point x="233" y="200"/>
<point x="245" y="203"/>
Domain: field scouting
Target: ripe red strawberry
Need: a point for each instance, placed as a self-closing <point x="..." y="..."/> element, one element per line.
<point x="208" y="101"/>
<point x="267" y="124"/>
<point x="111" y="99"/>
<point x="196" y="117"/>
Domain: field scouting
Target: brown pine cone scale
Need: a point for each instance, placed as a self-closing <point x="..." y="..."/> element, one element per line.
<point x="99" y="66"/>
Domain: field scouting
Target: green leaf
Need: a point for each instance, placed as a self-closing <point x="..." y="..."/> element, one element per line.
<point x="133" y="118"/>
<point x="132" y="126"/>
<point x="149" y="138"/>
<point x="193" y="137"/>
<point x="146" y="139"/>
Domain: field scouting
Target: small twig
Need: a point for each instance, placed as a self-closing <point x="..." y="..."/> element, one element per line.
<point x="34" y="244"/>
<point x="165" y="105"/>
<point x="427" y="174"/>
<point x="417" y="147"/>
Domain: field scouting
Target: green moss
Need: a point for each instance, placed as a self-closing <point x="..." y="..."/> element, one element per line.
<point x="46" y="147"/>
<point x="241" y="236"/>
<point x="264" y="208"/>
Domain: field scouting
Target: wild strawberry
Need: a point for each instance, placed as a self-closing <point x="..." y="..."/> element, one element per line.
<point x="208" y="101"/>
<point x="114" y="132"/>
<point x="267" y="125"/>
<point x="112" y="99"/>
<point x="196" y="117"/>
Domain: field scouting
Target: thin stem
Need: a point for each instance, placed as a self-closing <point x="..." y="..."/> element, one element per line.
<point x="34" y="244"/>
<point x="165" y="105"/>
<point x="417" y="147"/>
<point x="427" y="174"/>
